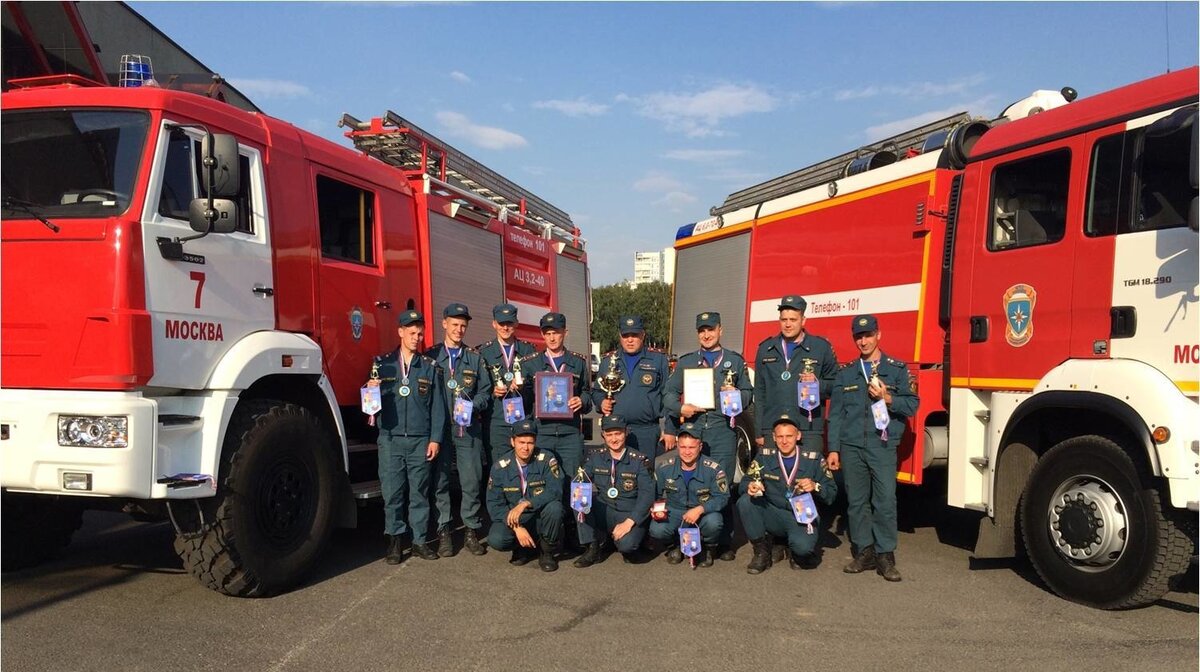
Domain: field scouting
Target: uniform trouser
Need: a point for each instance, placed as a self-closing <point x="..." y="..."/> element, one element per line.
<point x="545" y="525"/>
<point x="720" y="444"/>
<point x="404" y="473"/>
<point x="466" y="452"/>
<point x="607" y="518"/>
<point x="644" y="439"/>
<point x="759" y="518"/>
<point x="566" y="442"/>
<point x="710" y="525"/>
<point x="870" y="475"/>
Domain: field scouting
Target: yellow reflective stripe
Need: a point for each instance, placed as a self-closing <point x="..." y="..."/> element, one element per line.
<point x="995" y="383"/>
<point x="849" y="198"/>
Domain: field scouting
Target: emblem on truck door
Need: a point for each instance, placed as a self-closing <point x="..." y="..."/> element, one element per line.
<point x="356" y="323"/>
<point x="1019" y="302"/>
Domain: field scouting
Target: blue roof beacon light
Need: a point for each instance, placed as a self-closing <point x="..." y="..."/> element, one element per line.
<point x="136" y="70"/>
<point x="685" y="231"/>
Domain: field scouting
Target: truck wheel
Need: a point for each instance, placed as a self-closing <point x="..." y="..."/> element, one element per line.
<point x="36" y="528"/>
<point x="1095" y="530"/>
<point x="275" y="505"/>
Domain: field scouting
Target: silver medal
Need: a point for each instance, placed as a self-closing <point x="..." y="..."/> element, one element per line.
<point x="405" y="390"/>
<point x="786" y="375"/>
<point x="452" y="384"/>
<point x="508" y="376"/>
<point x="612" y="493"/>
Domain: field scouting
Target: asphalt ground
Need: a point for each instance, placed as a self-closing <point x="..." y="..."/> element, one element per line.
<point x="117" y="599"/>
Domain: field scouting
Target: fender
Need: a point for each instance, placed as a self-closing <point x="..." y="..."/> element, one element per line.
<point x="1097" y="401"/>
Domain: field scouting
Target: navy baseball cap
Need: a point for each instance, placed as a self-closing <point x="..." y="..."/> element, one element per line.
<point x="785" y="417"/>
<point x="411" y="317"/>
<point x="689" y="429"/>
<point x="525" y="428"/>
<point x="630" y="324"/>
<point x="457" y="310"/>
<point x="793" y="302"/>
<point x="505" y="312"/>
<point x="554" y="321"/>
<point x="612" y="422"/>
<point x="708" y="320"/>
<point x="863" y="323"/>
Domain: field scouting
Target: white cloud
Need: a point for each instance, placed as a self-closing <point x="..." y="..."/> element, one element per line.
<point x="457" y="125"/>
<point x="580" y="107"/>
<point x="699" y="114"/>
<point x="269" y="89"/>
<point x="881" y="131"/>
<point x="704" y="155"/>
<point x="657" y="182"/>
<point x="736" y="178"/>
<point x="675" y="201"/>
<point x="913" y="89"/>
<point x="459" y="76"/>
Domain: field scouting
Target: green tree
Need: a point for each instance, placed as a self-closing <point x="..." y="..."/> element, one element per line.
<point x="651" y="300"/>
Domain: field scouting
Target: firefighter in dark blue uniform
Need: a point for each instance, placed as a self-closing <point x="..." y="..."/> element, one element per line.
<point x="783" y="361"/>
<point x="623" y="487"/>
<point x="467" y="383"/>
<point x="524" y="498"/>
<point x="561" y="436"/>
<point x="765" y="508"/>
<point x="715" y="428"/>
<point x="865" y="453"/>
<point x="696" y="492"/>
<point x="639" y="400"/>
<point x="411" y="423"/>
<point x="501" y="358"/>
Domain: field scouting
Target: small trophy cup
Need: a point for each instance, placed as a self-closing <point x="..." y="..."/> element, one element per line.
<point x="875" y="375"/>
<point x="497" y="376"/>
<point x="611" y="382"/>
<point x="728" y="382"/>
<point x="808" y="366"/>
<point x="755" y="472"/>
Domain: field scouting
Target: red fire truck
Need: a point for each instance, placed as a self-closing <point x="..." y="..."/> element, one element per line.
<point x="1039" y="274"/>
<point x="192" y="295"/>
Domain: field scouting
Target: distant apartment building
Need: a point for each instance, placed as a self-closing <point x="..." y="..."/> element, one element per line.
<point x="653" y="267"/>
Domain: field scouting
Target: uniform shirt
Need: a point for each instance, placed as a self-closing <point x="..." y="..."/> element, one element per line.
<point x="640" y="400"/>
<point x="812" y="466"/>
<point x="708" y="486"/>
<point x="471" y="381"/>
<point x="493" y="356"/>
<point x="727" y="362"/>
<point x="569" y="362"/>
<point x="774" y="395"/>
<point x="634" y="482"/>
<point x="423" y="411"/>
<point x="543" y="484"/>
<point x="850" y="420"/>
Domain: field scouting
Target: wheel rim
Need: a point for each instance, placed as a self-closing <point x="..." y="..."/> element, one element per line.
<point x="286" y="502"/>
<point x="1087" y="523"/>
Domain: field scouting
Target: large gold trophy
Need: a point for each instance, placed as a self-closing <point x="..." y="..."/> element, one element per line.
<point x="611" y="382"/>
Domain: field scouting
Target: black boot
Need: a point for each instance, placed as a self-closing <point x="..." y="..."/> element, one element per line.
<point x="591" y="556"/>
<point x="806" y="561"/>
<point x="762" y="556"/>
<point x="471" y="542"/>
<point x="394" y="553"/>
<point x="520" y="556"/>
<point x="546" y="562"/>
<point x="778" y="551"/>
<point x="674" y="555"/>
<point x="424" y="552"/>
<point x="886" y="566"/>
<point x="726" y="553"/>
<point x="862" y="562"/>
<point x="706" y="557"/>
<point x="445" y="547"/>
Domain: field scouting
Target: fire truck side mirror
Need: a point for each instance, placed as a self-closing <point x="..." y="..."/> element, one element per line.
<point x="221" y="218"/>
<point x="220" y="169"/>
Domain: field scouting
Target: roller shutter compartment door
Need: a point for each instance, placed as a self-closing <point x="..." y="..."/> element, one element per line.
<point x="711" y="277"/>
<point x="573" y="302"/>
<point x="465" y="263"/>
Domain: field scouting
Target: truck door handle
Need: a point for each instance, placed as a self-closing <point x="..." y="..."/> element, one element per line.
<point x="386" y="305"/>
<point x="979" y="328"/>
<point x="264" y="291"/>
<point x="1123" y="322"/>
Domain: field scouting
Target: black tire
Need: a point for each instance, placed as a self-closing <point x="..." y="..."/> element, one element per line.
<point x="36" y="528"/>
<point x="1141" y="549"/>
<point x="275" y="506"/>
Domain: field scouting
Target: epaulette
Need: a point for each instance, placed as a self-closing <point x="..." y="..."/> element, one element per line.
<point x="768" y="451"/>
<point x="531" y="357"/>
<point x="712" y="464"/>
<point x="541" y="457"/>
<point x="577" y="355"/>
<point x="429" y="359"/>
<point x="658" y="350"/>
<point x="503" y="463"/>
<point x="667" y="459"/>
<point x="484" y="345"/>
<point x="894" y="362"/>
<point x="811" y="455"/>
<point x="636" y="455"/>
<point x="610" y="353"/>
<point x="847" y="364"/>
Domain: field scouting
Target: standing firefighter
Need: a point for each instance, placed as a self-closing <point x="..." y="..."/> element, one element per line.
<point x="872" y="398"/>
<point x="502" y="357"/>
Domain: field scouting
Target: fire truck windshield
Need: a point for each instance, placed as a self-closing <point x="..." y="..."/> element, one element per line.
<point x="70" y="163"/>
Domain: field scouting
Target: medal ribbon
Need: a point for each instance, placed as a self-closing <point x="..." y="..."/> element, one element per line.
<point x="789" y="477"/>
<point x="557" y="368"/>
<point x="405" y="368"/>
<point x="508" y="354"/>
<point x="521" y="472"/>
<point x="451" y="356"/>
<point x="612" y="471"/>
<point x="787" y="359"/>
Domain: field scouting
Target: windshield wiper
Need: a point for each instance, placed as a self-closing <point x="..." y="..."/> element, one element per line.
<point x="13" y="203"/>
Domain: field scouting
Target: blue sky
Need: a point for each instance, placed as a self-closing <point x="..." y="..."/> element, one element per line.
<point x="637" y="118"/>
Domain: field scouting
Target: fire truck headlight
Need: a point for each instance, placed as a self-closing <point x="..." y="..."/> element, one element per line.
<point x="90" y="431"/>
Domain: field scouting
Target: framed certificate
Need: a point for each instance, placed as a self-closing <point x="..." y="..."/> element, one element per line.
<point x="698" y="388"/>
<point x="551" y="392"/>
